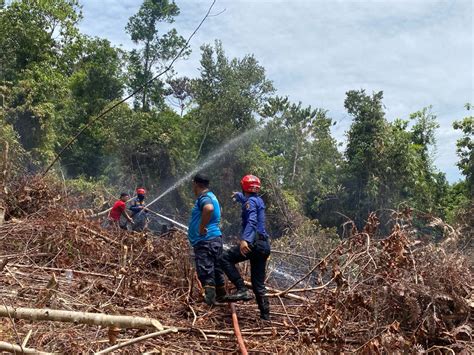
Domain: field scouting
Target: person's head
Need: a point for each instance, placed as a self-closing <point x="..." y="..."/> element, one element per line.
<point x="141" y="193"/>
<point x="124" y="196"/>
<point x="200" y="183"/>
<point x="250" y="184"/>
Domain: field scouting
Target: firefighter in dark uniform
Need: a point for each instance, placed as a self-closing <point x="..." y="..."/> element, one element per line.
<point x="205" y="237"/>
<point x="254" y="246"/>
<point x="138" y="211"/>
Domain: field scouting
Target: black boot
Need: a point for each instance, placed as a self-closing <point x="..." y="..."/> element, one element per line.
<point x="264" y="307"/>
<point x="242" y="293"/>
<point x="221" y="293"/>
<point x="210" y="295"/>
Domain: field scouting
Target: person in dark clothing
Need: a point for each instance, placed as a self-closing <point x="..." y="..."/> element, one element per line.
<point x="254" y="246"/>
<point x="139" y="212"/>
<point x="205" y="237"/>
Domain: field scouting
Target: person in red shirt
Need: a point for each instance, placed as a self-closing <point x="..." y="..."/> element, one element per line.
<point x="118" y="210"/>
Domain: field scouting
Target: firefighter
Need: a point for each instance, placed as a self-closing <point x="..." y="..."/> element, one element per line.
<point x="205" y="237"/>
<point x="139" y="212"/>
<point x="119" y="210"/>
<point x="253" y="246"/>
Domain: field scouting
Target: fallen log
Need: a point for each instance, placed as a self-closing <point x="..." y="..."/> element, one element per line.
<point x="137" y="340"/>
<point x="44" y="314"/>
<point x="16" y="349"/>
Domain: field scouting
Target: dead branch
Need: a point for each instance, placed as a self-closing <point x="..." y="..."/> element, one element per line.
<point x="104" y="320"/>
<point x="137" y="340"/>
<point x="16" y="349"/>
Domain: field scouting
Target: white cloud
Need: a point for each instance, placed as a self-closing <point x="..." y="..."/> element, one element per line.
<point x="419" y="52"/>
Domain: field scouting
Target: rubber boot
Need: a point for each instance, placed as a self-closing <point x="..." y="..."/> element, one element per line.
<point x="264" y="307"/>
<point x="221" y="293"/>
<point x="210" y="295"/>
<point x="242" y="293"/>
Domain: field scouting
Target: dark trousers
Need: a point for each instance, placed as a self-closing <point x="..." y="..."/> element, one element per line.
<point x="260" y="251"/>
<point x="208" y="254"/>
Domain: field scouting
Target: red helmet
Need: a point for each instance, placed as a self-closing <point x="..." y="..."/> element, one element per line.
<point x="250" y="183"/>
<point x="141" y="191"/>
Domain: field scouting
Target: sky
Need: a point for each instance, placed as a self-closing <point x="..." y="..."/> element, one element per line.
<point x="418" y="52"/>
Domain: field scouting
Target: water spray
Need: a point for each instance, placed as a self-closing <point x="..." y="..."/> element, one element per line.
<point x="232" y="144"/>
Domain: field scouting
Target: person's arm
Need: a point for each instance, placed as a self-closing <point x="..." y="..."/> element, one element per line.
<point x="248" y="234"/>
<point x="206" y="207"/>
<point x="135" y="208"/>
<point x="207" y="210"/>
<point x="125" y="214"/>
<point x="239" y="197"/>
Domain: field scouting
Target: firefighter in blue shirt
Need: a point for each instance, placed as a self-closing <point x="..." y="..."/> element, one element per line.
<point x="254" y="246"/>
<point x="205" y="237"/>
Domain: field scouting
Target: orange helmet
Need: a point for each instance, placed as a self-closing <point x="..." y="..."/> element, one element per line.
<point x="250" y="183"/>
<point x="141" y="191"/>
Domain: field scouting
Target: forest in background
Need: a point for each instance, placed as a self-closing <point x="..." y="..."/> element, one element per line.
<point x="54" y="79"/>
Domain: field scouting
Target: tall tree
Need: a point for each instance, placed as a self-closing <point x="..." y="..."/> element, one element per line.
<point x="365" y="146"/>
<point x="465" y="149"/>
<point x="34" y="41"/>
<point x="228" y="95"/>
<point x="96" y="81"/>
<point x="155" y="49"/>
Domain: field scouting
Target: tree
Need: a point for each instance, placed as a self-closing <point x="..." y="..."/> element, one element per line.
<point x="35" y="36"/>
<point x="156" y="49"/>
<point x="34" y="32"/>
<point x="465" y="149"/>
<point x="228" y="95"/>
<point x="96" y="81"/>
<point x="365" y="147"/>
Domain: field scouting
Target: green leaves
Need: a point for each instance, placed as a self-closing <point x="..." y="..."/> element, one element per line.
<point x="465" y="148"/>
<point x="155" y="50"/>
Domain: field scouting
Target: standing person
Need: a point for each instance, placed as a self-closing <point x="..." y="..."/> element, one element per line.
<point x="205" y="237"/>
<point x="119" y="210"/>
<point x="139" y="212"/>
<point x="254" y="246"/>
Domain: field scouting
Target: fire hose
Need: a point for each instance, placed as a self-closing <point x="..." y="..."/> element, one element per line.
<point x="238" y="334"/>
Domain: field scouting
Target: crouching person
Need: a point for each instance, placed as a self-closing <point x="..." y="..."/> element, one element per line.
<point x="119" y="210"/>
<point x="254" y="246"/>
<point x="206" y="239"/>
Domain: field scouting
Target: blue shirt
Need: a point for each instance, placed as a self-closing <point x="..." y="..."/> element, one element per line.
<point x="213" y="230"/>
<point x="253" y="217"/>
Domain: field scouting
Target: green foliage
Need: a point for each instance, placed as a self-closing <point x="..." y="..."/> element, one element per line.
<point x="156" y="49"/>
<point x="228" y="95"/>
<point x="55" y="80"/>
<point x="465" y="149"/>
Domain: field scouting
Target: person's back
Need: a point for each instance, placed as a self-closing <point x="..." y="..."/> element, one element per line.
<point x="212" y="227"/>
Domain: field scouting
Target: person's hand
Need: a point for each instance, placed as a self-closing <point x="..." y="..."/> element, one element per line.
<point x="234" y="195"/>
<point x="202" y="230"/>
<point x="244" y="247"/>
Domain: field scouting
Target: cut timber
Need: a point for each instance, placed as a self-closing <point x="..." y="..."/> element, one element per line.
<point x="35" y="314"/>
<point x="16" y="349"/>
